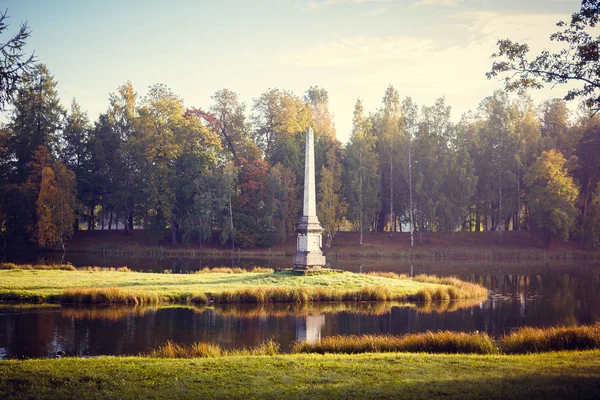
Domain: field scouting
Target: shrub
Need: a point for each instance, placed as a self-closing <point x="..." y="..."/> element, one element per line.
<point x="429" y="342"/>
<point x="535" y="340"/>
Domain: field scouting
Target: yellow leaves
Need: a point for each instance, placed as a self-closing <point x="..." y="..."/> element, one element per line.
<point x="55" y="206"/>
<point x="552" y="195"/>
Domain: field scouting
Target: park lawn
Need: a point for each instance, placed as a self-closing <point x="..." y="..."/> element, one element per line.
<point x="561" y="375"/>
<point x="48" y="284"/>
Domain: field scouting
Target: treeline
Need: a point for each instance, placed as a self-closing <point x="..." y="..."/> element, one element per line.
<point x="150" y="161"/>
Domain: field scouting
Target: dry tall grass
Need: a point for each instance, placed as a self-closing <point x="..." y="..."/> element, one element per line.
<point x="453" y="288"/>
<point x="110" y="295"/>
<point x="210" y="350"/>
<point x="428" y="342"/>
<point x="537" y="340"/>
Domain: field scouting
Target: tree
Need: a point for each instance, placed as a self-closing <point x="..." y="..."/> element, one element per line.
<point x="495" y="160"/>
<point x="588" y="154"/>
<point x="122" y="145"/>
<point x="14" y="63"/>
<point x="591" y="226"/>
<point x="318" y="98"/>
<point x="361" y="173"/>
<point x="278" y="114"/>
<point x="386" y="125"/>
<point x="551" y="197"/>
<point x="331" y="207"/>
<point x="576" y="62"/>
<point x="36" y="120"/>
<point x="160" y="121"/>
<point x="55" y="206"/>
<point x="555" y="130"/>
<point x="230" y="122"/>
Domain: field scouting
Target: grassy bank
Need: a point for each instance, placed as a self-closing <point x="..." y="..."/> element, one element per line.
<point x="562" y="375"/>
<point x="516" y="246"/>
<point x="125" y="287"/>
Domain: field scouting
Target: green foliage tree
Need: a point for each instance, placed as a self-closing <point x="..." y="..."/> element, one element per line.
<point x="331" y="205"/>
<point x="443" y="172"/>
<point x="576" y="62"/>
<point x="588" y="154"/>
<point x="229" y="121"/>
<point x="390" y="142"/>
<point x="278" y="115"/>
<point x="591" y="226"/>
<point x="14" y="63"/>
<point x="36" y="120"/>
<point x="552" y="195"/>
<point x="75" y="148"/>
<point x="361" y="173"/>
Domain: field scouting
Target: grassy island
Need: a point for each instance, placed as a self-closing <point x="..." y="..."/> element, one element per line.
<point x="28" y="284"/>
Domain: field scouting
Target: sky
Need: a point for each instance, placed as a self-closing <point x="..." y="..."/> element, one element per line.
<point x="354" y="49"/>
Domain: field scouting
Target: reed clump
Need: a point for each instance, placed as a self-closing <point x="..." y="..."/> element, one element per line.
<point x="297" y="295"/>
<point x="235" y="270"/>
<point x="452" y="289"/>
<point x="210" y="350"/>
<point x="110" y="295"/>
<point x="537" y="340"/>
<point x="62" y="267"/>
<point x="428" y="342"/>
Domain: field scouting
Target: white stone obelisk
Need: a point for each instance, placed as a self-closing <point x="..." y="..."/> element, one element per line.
<point x="309" y="255"/>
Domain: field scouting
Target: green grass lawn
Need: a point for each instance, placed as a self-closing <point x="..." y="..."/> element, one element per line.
<point x="562" y="375"/>
<point x="44" y="284"/>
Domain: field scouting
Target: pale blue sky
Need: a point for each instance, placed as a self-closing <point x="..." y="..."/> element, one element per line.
<point x="352" y="48"/>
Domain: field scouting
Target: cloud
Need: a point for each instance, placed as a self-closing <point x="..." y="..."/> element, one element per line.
<point x="437" y="2"/>
<point x="359" y="52"/>
<point x="315" y="4"/>
<point x="450" y="62"/>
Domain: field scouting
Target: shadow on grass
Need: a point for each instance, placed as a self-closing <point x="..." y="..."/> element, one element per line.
<point x="90" y="385"/>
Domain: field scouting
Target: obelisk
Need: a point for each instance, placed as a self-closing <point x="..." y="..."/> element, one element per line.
<point x="309" y="255"/>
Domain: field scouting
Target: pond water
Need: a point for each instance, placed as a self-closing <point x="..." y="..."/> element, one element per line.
<point x="521" y="294"/>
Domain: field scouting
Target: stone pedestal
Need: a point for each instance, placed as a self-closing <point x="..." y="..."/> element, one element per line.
<point x="309" y="255"/>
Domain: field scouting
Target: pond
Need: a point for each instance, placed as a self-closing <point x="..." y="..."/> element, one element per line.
<point x="521" y="294"/>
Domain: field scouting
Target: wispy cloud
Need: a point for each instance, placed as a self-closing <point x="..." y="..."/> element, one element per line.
<point x="437" y="2"/>
<point x="315" y="4"/>
<point x="360" y="52"/>
<point x="422" y="66"/>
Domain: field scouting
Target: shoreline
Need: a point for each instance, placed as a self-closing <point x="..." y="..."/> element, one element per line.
<point x="46" y="284"/>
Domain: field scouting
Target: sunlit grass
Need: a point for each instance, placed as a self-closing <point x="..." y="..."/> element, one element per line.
<point x="221" y="286"/>
<point x="567" y="375"/>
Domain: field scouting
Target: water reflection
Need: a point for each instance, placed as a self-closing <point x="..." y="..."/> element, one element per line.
<point x="520" y="294"/>
<point x="80" y="331"/>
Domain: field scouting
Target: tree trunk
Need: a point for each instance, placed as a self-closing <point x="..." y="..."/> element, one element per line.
<point x="391" y="188"/>
<point x="517" y="225"/>
<point x="477" y="221"/>
<point x="131" y="221"/>
<point x="360" y="196"/>
<point x="585" y="204"/>
<point x="173" y="232"/>
<point x="91" y="219"/>
<point x="110" y="218"/>
<point x="231" y="223"/>
<point x="410" y="210"/>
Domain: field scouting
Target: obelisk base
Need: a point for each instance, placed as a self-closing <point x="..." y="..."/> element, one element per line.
<point x="309" y="261"/>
